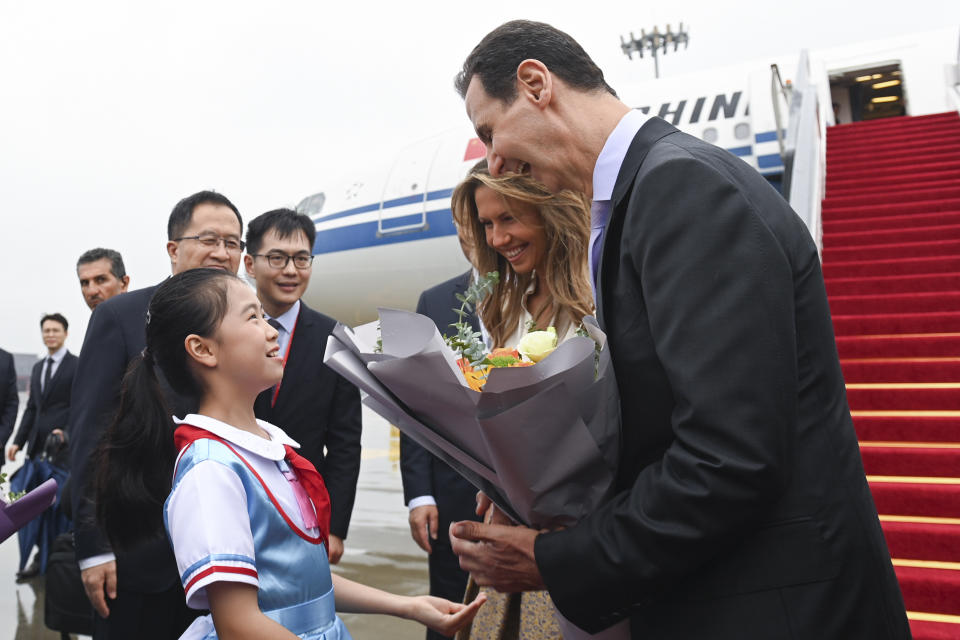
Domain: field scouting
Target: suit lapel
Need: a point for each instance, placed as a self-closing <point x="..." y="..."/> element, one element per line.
<point x="652" y="131"/>
<point x="35" y="375"/>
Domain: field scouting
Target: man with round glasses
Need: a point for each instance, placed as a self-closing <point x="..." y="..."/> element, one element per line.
<point x="317" y="407"/>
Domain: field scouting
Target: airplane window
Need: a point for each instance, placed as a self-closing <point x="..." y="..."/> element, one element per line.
<point x="741" y="131"/>
<point x="710" y="135"/>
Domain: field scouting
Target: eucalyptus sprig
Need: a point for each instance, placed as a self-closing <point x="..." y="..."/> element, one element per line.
<point x="467" y="342"/>
<point x="11" y="495"/>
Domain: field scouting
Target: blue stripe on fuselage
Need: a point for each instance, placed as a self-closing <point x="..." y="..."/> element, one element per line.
<point x="356" y="236"/>
<point x="396" y="202"/>
<point x="769" y="161"/>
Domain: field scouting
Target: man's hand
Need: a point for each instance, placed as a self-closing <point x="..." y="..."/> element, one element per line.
<point x="12" y="452"/>
<point x="334" y="549"/>
<point x="100" y="583"/>
<point x="424" y="522"/>
<point x="497" y="556"/>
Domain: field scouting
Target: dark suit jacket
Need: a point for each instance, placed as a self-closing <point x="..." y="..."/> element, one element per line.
<point x="9" y="399"/>
<point x="48" y="409"/>
<point x="422" y="473"/>
<point x="114" y="337"/>
<point x="743" y="511"/>
<point x="319" y="409"/>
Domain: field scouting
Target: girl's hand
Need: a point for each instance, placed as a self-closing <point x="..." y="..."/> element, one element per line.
<point x="443" y="616"/>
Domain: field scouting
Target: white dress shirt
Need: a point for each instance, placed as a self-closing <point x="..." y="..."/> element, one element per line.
<point x="287" y="320"/>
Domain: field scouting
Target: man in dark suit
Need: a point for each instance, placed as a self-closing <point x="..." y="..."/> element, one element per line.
<point x="9" y="398"/>
<point x="48" y="406"/>
<point x="436" y="494"/>
<point x="742" y="510"/>
<point x="137" y="594"/>
<point x="313" y="404"/>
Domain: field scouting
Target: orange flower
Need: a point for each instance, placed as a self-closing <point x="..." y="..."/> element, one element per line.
<point x="476" y="377"/>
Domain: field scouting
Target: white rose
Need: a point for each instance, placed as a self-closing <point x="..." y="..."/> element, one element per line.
<point x="537" y="345"/>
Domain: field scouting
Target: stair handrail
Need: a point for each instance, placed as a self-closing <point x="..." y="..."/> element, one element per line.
<point x="778" y="89"/>
<point x="953" y="82"/>
<point x="805" y="175"/>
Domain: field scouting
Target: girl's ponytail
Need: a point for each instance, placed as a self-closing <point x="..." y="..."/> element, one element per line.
<point x="135" y="460"/>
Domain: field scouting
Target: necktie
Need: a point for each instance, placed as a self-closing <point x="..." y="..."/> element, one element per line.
<point x="599" y="212"/>
<point x="47" y="375"/>
<point x="273" y="322"/>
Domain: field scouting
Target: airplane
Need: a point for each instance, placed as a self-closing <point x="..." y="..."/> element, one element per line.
<point x="385" y="234"/>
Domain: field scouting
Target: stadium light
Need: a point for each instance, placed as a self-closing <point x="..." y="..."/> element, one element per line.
<point x="654" y="42"/>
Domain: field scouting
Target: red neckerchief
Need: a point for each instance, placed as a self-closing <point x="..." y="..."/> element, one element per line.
<point x="307" y="474"/>
<point x="276" y="389"/>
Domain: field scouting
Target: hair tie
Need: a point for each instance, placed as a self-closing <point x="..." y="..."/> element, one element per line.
<point x="147" y="356"/>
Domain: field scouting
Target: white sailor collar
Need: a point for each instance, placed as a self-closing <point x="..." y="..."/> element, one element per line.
<point x="271" y="449"/>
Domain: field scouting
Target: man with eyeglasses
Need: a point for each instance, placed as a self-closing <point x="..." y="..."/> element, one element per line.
<point x="317" y="407"/>
<point x="137" y="593"/>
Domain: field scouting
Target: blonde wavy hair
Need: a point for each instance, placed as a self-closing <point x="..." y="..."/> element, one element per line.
<point x="564" y="218"/>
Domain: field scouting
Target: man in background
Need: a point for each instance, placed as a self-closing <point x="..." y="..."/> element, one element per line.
<point x="48" y="406"/>
<point x="436" y="494"/>
<point x="137" y="594"/>
<point x="102" y="275"/>
<point x="315" y="405"/>
<point x="9" y="398"/>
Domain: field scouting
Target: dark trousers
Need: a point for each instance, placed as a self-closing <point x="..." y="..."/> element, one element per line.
<point x="447" y="579"/>
<point x="146" y="616"/>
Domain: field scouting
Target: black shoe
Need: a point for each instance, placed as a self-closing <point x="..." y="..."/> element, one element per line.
<point x="32" y="570"/>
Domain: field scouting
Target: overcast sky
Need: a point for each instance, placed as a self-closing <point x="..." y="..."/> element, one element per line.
<point x="112" y="111"/>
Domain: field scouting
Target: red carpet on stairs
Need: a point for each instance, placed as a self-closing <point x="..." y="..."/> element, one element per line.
<point x="891" y="262"/>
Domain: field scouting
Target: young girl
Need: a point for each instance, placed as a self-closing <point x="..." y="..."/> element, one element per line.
<point x="247" y="517"/>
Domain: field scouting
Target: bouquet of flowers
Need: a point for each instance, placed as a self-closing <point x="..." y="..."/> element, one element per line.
<point x="536" y="428"/>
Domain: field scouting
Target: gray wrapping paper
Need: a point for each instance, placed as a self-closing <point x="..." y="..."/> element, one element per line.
<point x="541" y="441"/>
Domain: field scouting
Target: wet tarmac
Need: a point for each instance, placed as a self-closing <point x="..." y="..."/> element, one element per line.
<point x="378" y="550"/>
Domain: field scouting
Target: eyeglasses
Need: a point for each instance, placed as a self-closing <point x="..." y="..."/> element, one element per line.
<point x="212" y="241"/>
<point x="281" y="260"/>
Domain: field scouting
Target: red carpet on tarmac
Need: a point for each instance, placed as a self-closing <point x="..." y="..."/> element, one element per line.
<point x="891" y="261"/>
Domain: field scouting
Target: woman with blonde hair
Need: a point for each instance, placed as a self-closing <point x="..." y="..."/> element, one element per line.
<point x="537" y="241"/>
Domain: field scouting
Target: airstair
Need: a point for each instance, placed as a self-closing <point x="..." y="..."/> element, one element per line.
<point x="891" y="261"/>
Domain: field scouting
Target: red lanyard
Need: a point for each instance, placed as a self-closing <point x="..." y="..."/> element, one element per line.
<point x="276" y="389"/>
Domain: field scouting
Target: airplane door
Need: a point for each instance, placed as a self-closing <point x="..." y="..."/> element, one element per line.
<point x="403" y="207"/>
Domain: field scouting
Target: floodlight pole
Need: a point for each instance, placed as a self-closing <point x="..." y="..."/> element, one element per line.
<point x="653" y="42"/>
